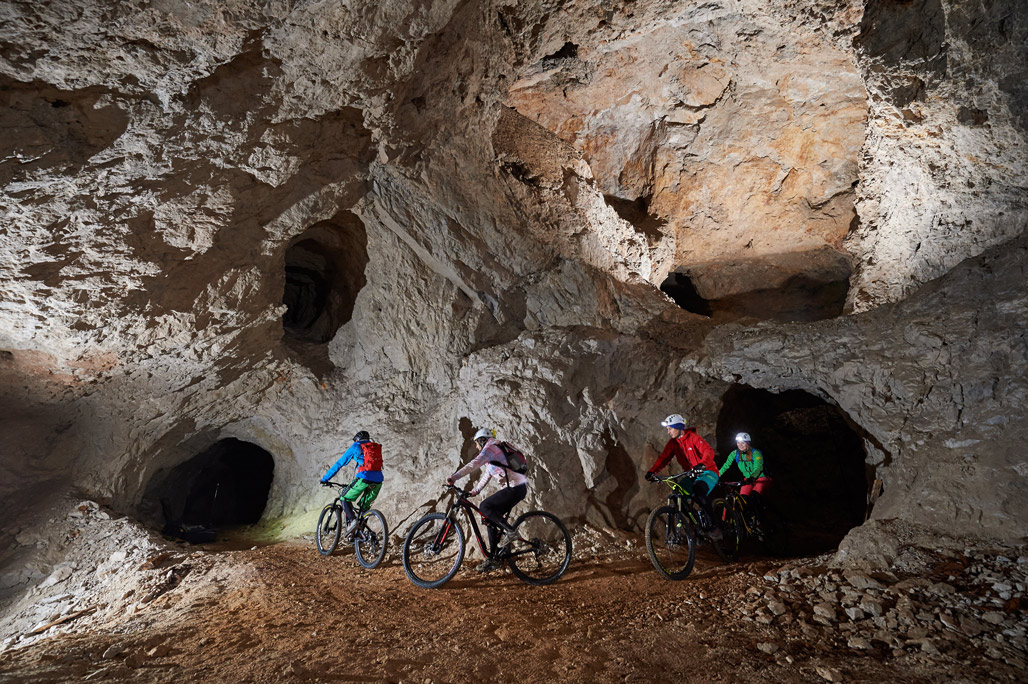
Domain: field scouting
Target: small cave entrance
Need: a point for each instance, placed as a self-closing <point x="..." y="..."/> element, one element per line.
<point x="799" y="287"/>
<point x="679" y="287"/>
<point x="324" y="269"/>
<point x="813" y="454"/>
<point x="226" y="485"/>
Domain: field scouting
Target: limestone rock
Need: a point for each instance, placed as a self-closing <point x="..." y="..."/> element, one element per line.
<point x="286" y="222"/>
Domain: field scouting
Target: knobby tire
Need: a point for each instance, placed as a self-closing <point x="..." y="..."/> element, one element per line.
<point x="542" y="552"/>
<point x="423" y="558"/>
<point x="370" y="539"/>
<point x="670" y="543"/>
<point x="728" y="546"/>
<point x="326" y="536"/>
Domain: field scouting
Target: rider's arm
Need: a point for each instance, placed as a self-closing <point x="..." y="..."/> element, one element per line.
<point x="665" y="457"/>
<point x="758" y="464"/>
<point x="472" y="465"/>
<point x="487" y="475"/>
<point x="348" y="455"/>
<point x="728" y="463"/>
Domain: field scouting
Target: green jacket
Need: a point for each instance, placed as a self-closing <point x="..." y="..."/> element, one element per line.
<point x="751" y="466"/>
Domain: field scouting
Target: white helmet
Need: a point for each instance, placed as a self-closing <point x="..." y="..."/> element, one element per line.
<point x="673" y="420"/>
<point x="484" y="433"/>
<point x="743" y="437"/>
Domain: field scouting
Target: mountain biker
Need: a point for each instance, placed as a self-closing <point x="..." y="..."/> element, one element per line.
<point x="496" y="506"/>
<point x="750" y="462"/>
<point x="692" y="451"/>
<point x="367" y="456"/>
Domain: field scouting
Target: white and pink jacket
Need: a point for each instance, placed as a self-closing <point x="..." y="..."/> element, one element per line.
<point x="490" y="452"/>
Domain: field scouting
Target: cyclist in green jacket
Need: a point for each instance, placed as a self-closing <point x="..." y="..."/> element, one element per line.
<point x="750" y="462"/>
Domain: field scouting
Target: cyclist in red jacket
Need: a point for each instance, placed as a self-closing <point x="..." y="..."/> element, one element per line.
<point x="691" y="450"/>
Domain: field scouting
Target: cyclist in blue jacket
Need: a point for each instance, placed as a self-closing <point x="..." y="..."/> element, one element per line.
<point x="367" y="456"/>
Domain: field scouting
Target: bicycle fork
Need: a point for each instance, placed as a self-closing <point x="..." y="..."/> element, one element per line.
<point x="442" y="536"/>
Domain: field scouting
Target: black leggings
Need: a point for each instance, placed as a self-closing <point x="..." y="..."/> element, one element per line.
<point x="497" y="506"/>
<point x="699" y="492"/>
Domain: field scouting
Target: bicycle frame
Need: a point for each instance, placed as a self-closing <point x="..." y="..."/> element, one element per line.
<point x="461" y="501"/>
<point x="737" y="503"/>
<point x="679" y="495"/>
<point x="362" y="506"/>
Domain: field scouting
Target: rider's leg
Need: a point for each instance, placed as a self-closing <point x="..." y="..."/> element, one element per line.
<point x="757" y="494"/>
<point x="351" y="494"/>
<point x="361" y="491"/>
<point x="700" y="490"/>
<point x="497" y="506"/>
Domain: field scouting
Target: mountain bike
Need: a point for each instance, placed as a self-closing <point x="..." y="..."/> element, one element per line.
<point x="674" y="530"/>
<point x="763" y="524"/>
<point x="369" y="536"/>
<point x="435" y="545"/>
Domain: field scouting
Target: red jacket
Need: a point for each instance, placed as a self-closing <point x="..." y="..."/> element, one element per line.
<point x="690" y="449"/>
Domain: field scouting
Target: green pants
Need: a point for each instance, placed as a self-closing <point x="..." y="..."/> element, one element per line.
<point x="362" y="490"/>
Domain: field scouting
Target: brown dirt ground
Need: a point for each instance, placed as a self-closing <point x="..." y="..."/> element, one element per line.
<point x="299" y="617"/>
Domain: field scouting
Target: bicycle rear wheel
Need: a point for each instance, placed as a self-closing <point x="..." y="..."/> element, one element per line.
<point x="330" y="526"/>
<point x="542" y="552"/>
<point x="433" y="551"/>
<point x="370" y="538"/>
<point x="670" y="543"/>
<point x="728" y="546"/>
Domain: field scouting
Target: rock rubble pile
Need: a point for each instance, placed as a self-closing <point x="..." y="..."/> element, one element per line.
<point x="118" y="570"/>
<point x="970" y="600"/>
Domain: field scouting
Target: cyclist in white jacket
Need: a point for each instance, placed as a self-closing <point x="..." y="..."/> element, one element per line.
<point x="514" y="488"/>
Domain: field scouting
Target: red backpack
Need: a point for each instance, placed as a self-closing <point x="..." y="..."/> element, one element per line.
<point x="372" y="457"/>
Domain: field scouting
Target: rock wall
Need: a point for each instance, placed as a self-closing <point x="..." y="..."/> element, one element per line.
<point x="498" y="190"/>
<point x="944" y="164"/>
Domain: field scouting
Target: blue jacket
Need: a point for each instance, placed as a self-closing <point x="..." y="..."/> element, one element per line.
<point x="355" y="454"/>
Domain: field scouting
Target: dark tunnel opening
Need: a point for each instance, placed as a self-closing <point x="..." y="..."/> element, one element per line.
<point x="680" y="288"/>
<point x="813" y="455"/>
<point x="226" y="485"/>
<point x="324" y="270"/>
<point x="790" y="288"/>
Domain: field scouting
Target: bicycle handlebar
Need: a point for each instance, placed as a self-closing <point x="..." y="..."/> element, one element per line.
<point x="333" y="484"/>
<point x="460" y="492"/>
<point x="676" y="478"/>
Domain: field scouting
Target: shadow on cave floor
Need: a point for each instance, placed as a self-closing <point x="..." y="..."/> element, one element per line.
<point x="242" y="538"/>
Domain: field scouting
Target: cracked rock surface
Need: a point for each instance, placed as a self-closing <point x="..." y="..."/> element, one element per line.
<point x="285" y="222"/>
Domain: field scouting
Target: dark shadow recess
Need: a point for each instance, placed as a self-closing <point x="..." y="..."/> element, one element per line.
<point x="324" y="269"/>
<point x="813" y="454"/>
<point x="224" y="486"/>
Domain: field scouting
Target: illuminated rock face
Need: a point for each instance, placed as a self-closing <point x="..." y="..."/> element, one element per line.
<point x="281" y="225"/>
<point x="733" y="138"/>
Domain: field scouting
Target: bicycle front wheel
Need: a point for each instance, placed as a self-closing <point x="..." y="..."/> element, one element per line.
<point x="433" y="551"/>
<point x="369" y="539"/>
<point x="330" y="526"/>
<point x="671" y="543"/>
<point x="728" y="546"/>
<point x="542" y="551"/>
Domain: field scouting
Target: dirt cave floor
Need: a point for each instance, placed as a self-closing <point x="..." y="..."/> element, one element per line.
<point x="282" y="613"/>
